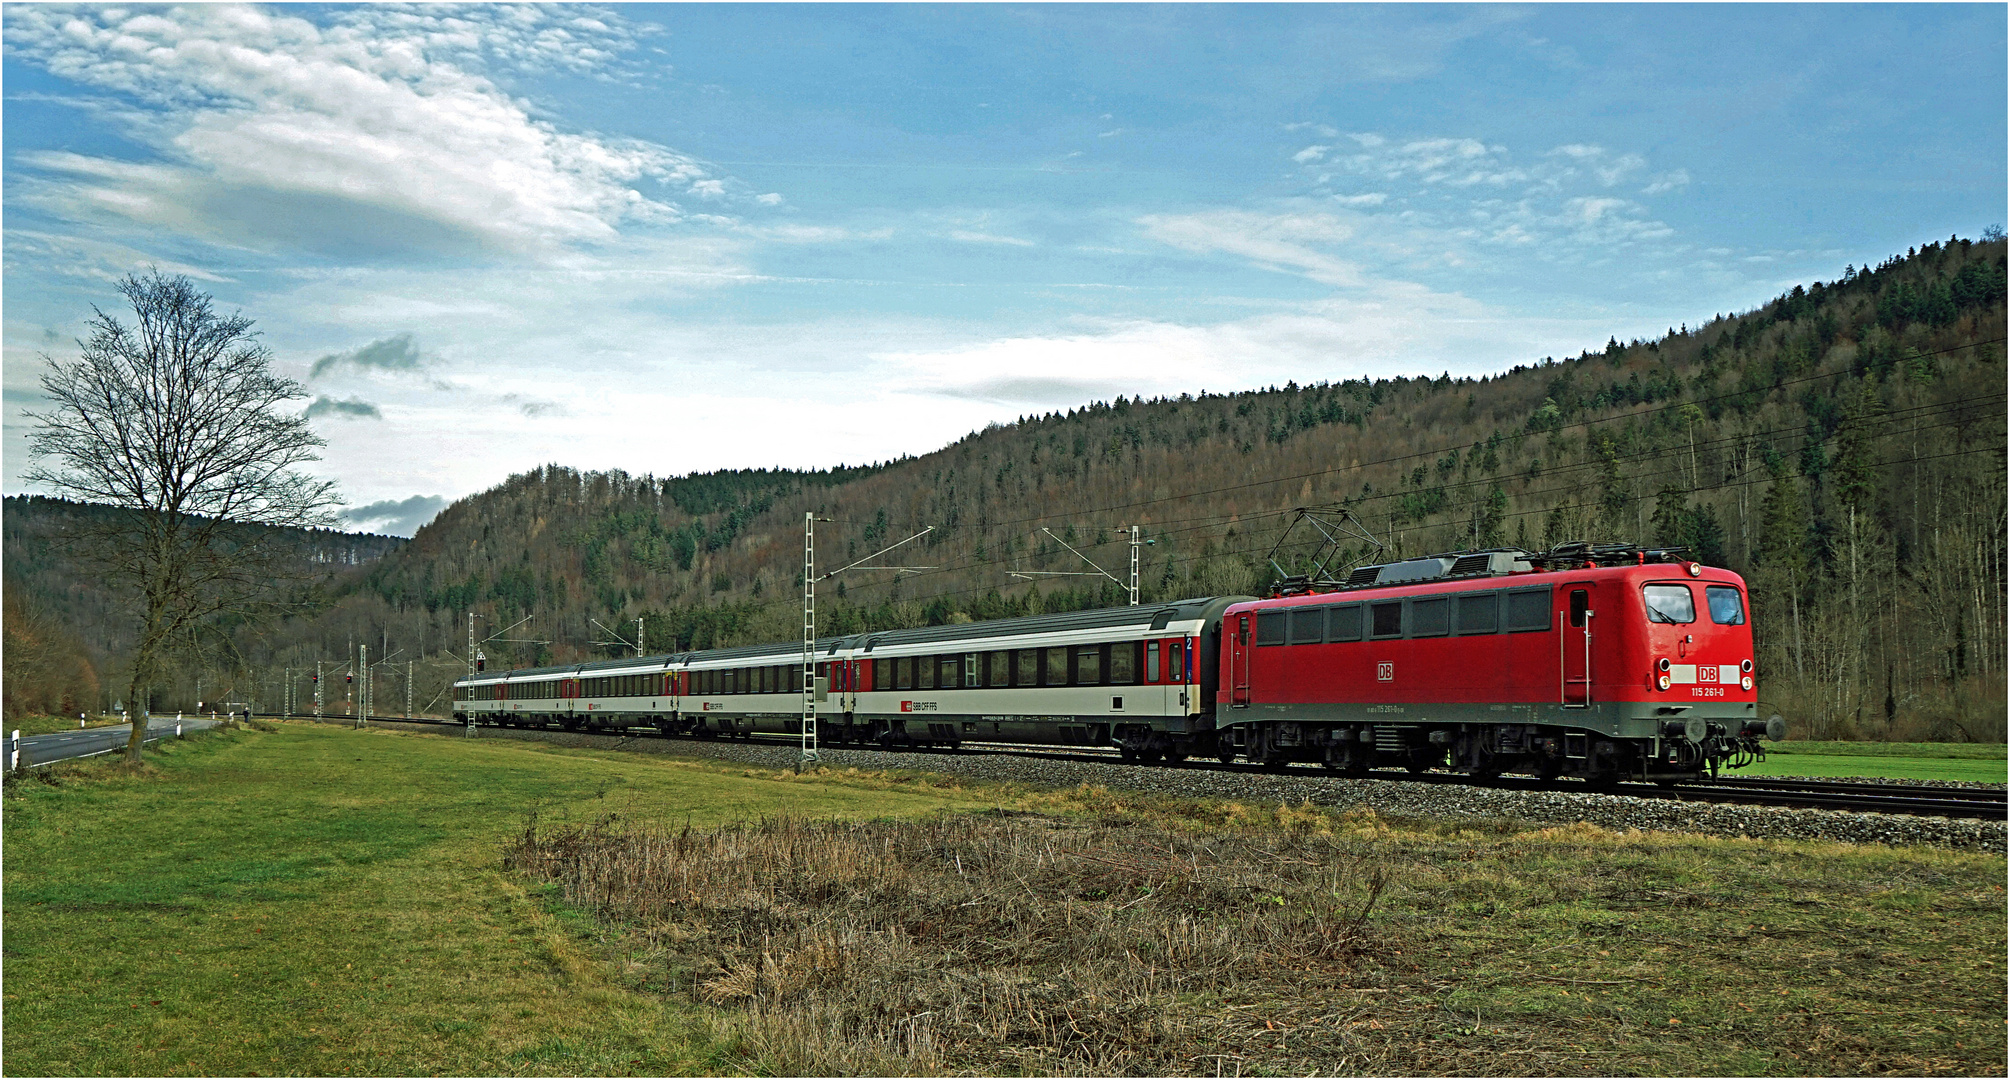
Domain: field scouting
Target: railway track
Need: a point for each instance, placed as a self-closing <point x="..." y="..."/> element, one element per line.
<point x="1987" y="804"/>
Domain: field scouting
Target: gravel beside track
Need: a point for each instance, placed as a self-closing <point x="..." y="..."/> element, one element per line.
<point x="1389" y="797"/>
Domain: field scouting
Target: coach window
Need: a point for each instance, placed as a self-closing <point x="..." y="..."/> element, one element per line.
<point x="1089" y="665"/>
<point x="1665" y="604"/>
<point x="1727" y="608"/>
<point x="1124" y="663"/>
<point x="1308" y="625"/>
<point x="973" y="675"/>
<point x="1151" y="661"/>
<point x="998" y="668"/>
<point x="1527" y="610"/>
<point x="1028" y="668"/>
<point x="1056" y="673"/>
<point x="1270" y="627"/>
<point x="1431" y="618"/>
<point x="924" y="673"/>
<point x="882" y="674"/>
<point x="903" y="673"/>
<point x="1479" y="613"/>
<point x="1388" y="619"/>
<point x="1343" y="623"/>
<point x="952" y="672"/>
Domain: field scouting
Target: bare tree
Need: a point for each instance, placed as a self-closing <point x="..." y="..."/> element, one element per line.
<point x="176" y="420"/>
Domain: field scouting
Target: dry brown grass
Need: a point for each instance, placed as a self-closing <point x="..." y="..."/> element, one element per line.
<point x="997" y="942"/>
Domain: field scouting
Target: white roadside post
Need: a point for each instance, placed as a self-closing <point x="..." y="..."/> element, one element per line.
<point x="14" y="751"/>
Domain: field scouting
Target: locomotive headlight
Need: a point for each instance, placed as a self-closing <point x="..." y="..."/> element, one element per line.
<point x="1746" y="682"/>
<point x="1695" y="569"/>
<point x="1661" y="682"/>
<point x="1745" y="666"/>
<point x="1661" y="664"/>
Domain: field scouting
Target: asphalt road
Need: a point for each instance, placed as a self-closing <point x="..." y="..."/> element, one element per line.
<point x="64" y="745"/>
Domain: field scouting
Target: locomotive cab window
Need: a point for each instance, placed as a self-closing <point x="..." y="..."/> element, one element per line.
<point x="1308" y="626"/>
<point x="1727" y="608"/>
<point x="1388" y="619"/>
<point x="1580" y="606"/>
<point x="1665" y="604"/>
<point x="1270" y="627"/>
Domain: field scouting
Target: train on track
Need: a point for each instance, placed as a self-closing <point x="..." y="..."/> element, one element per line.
<point x="1601" y="661"/>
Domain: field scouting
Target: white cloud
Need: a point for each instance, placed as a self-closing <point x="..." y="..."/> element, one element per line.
<point x="1310" y="154"/>
<point x="1279" y="241"/>
<point x="1667" y="182"/>
<point x="970" y="237"/>
<point x="375" y="130"/>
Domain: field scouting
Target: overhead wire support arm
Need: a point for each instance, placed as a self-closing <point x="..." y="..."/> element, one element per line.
<point x="860" y="564"/>
<point x="1082" y="557"/>
<point x="618" y="639"/>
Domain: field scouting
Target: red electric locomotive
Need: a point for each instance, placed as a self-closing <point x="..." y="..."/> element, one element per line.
<point x="1605" y="662"/>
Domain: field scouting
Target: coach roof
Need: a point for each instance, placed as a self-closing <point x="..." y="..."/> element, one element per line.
<point x="1143" y="617"/>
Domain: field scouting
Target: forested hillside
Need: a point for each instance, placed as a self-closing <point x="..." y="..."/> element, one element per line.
<point x="1841" y="445"/>
<point x="63" y="626"/>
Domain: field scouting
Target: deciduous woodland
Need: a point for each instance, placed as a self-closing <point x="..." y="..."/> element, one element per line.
<point x="1842" y="446"/>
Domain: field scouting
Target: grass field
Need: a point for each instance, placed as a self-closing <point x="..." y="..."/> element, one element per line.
<point x="46" y="725"/>
<point x="1982" y="762"/>
<point x="318" y="900"/>
<point x="321" y="901"/>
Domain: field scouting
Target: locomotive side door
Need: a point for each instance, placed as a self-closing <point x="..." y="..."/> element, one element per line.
<point x="1238" y="660"/>
<point x="1575" y="622"/>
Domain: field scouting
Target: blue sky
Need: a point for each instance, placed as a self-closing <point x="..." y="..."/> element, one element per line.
<point x="681" y="238"/>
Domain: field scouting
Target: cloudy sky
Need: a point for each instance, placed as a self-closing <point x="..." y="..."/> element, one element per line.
<point x="669" y="239"/>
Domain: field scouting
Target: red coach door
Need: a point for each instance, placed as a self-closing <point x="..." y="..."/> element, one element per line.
<point x="1578" y="615"/>
<point x="1238" y="661"/>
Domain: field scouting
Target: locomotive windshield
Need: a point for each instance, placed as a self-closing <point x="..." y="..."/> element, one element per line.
<point x="1670" y="604"/>
<point x="1727" y="608"/>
